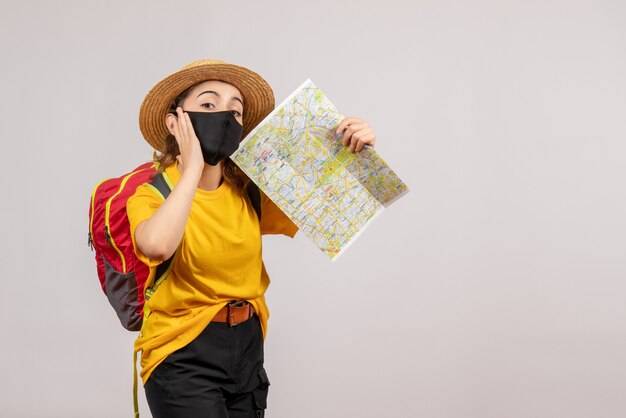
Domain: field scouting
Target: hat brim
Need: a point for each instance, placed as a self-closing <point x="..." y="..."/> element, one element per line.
<point x="258" y="97"/>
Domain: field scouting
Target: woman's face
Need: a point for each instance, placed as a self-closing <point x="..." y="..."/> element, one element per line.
<point x="215" y="96"/>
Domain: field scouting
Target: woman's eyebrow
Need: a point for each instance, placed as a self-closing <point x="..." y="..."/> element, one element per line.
<point x="218" y="95"/>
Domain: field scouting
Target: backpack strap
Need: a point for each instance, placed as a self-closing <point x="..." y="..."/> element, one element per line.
<point x="135" y="384"/>
<point x="160" y="183"/>
<point x="255" y="197"/>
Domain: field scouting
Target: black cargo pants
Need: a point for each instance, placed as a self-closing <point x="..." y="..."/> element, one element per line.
<point x="220" y="374"/>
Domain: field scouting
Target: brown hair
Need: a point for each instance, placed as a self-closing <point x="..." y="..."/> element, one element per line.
<point x="231" y="172"/>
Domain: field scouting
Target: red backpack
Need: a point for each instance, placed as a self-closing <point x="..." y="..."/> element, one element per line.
<point x="122" y="275"/>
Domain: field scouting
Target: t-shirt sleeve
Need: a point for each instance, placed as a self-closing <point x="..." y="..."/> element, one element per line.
<point x="273" y="220"/>
<point x="140" y="207"/>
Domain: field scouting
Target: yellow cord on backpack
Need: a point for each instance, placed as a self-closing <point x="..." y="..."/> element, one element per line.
<point x="135" y="400"/>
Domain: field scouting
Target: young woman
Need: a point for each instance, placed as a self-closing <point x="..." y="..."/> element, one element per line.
<point x="204" y="326"/>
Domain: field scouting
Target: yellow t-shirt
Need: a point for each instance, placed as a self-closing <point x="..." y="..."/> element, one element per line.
<point x="218" y="260"/>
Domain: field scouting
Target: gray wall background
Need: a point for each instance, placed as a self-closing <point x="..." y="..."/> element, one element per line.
<point x="494" y="289"/>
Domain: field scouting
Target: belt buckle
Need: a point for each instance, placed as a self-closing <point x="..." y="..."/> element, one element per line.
<point x="230" y="315"/>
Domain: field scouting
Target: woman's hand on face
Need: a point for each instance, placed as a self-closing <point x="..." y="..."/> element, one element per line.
<point x="188" y="143"/>
<point x="356" y="134"/>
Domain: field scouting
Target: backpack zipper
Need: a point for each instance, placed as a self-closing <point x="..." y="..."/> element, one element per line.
<point x="107" y="236"/>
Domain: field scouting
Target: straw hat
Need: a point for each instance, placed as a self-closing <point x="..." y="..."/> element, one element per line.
<point x="258" y="97"/>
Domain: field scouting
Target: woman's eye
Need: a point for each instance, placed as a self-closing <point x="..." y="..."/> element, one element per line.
<point x="235" y="113"/>
<point x="208" y="105"/>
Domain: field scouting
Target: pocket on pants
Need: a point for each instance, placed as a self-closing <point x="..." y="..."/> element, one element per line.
<point x="260" y="393"/>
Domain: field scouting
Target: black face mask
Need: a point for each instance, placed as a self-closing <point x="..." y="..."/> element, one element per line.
<point x="219" y="134"/>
